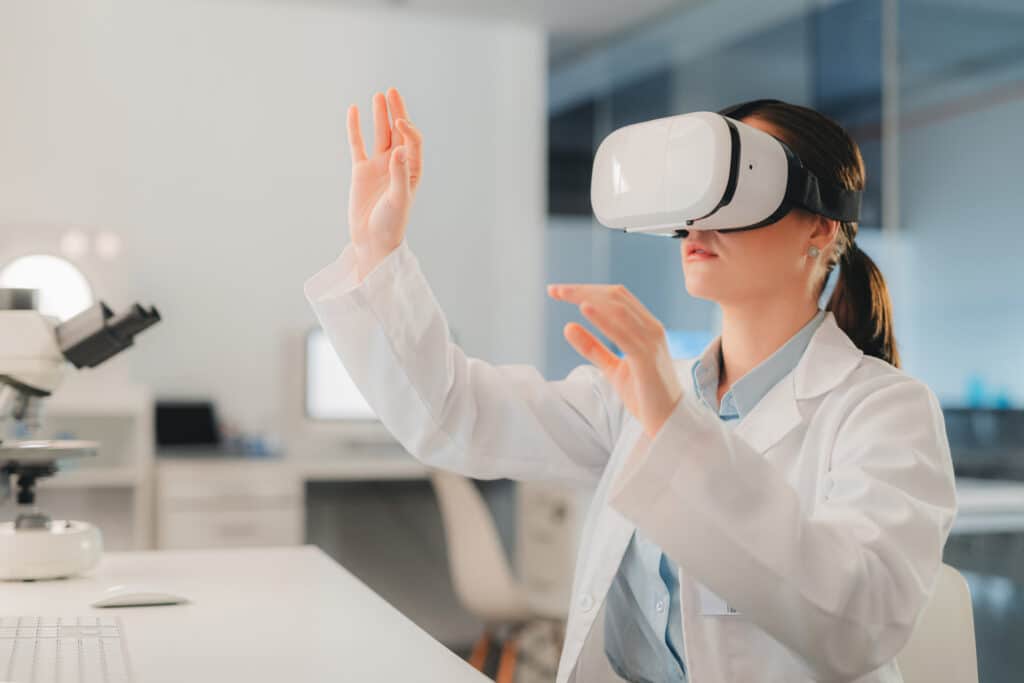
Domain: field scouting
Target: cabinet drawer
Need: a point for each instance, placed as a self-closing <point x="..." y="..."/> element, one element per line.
<point x="219" y="480"/>
<point x="182" y="529"/>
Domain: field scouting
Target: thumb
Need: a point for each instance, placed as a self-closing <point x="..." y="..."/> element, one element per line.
<point x="399" y="168"/>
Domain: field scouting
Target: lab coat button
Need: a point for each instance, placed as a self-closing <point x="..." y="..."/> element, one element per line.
<point x="586" y="602"/>
<point x="660" y="605"/>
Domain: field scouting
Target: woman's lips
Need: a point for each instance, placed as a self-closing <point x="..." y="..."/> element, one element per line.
<point x="700" y="255"/>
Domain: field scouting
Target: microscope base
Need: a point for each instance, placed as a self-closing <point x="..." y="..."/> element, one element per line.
<point x="64" y="549"/>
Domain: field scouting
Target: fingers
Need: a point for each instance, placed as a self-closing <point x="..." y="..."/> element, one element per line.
<point x="355" y="135"/>
<point x="413" y="141"/>
<point x="387" y="136"/>
<point x="617" y="313"/>
<point x="588" y="346"/>
<point x="399" y="171"/>
<point x="577" y="294"/>
<point x="381" y="127"/>
<point x="615" y="322"/>
<point x="397" y="105"/>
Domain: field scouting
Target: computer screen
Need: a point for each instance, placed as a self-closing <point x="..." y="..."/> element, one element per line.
<point x="186" y="423"/>
<point x="330" y="392"/>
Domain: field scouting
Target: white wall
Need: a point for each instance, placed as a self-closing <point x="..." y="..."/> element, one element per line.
<point x="210" y="135"/>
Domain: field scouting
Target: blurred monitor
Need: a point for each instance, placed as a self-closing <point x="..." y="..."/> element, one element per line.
<point x="330" y="392"/>
<point x="332" y="401"/>
<point x="186" y="424"/>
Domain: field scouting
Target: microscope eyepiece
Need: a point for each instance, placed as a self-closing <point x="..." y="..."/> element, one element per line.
<point x="96" y="334"/>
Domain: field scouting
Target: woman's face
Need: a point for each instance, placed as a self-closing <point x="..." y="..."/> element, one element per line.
<point x="756" y="264"/>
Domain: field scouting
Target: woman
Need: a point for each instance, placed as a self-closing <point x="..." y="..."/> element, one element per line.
<point x="773" y="510"/>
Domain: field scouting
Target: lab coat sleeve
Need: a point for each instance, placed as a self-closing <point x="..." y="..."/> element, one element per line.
<point x="447" y="409"/>
<point x="841" y="586"/>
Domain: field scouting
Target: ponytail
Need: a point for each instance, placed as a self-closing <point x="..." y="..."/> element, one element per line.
<point x="861" y="305"/>
<point x="860" y="301"/>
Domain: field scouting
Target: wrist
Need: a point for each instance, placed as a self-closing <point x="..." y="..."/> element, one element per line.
<point x="369" y="257"/>
<point x="654" y="425"/>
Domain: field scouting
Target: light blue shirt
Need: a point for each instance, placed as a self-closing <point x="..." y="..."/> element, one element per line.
<point x="643" y="637"/>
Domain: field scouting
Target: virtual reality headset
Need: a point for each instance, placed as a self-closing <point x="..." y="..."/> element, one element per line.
<point x="706" y="171"/>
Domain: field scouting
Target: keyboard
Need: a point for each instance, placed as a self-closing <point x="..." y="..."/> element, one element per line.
<point x="62" y="649"/>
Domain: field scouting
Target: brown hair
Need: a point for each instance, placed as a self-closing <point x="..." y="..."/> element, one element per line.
<point x="860" y="301"/>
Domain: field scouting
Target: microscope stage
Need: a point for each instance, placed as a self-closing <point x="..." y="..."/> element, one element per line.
<point x="44" y="451"/>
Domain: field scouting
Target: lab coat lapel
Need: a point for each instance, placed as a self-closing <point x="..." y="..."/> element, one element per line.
<point x="774" y="416"/>
<point x="829" y="358"/>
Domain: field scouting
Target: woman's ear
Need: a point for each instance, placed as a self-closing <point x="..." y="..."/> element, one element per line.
<point x="824" y="231"/>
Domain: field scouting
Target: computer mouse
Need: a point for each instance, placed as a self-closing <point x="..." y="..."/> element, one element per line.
<point x="137" y="596"/>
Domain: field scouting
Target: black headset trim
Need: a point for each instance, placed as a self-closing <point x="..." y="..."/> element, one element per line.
<point x="803" y="188"/>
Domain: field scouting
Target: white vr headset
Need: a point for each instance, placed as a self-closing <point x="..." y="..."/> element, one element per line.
<point x="706" y="171"/>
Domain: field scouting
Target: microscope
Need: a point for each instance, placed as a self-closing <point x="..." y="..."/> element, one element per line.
<point x="35" y="351"/>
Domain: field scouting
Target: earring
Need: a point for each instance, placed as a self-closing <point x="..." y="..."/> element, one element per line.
<point x="814" y="252"/>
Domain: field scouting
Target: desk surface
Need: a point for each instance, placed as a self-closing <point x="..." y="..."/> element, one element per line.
<point x="257" y="615"/>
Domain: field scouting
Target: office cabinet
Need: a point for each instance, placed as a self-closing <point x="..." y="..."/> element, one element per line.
<point x="224" y="503"/>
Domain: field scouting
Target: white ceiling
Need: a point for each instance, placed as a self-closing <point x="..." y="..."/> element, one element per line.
<point x="573" y="25"/>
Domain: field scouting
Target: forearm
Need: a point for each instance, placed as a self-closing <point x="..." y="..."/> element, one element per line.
<point x="448" y="409"/>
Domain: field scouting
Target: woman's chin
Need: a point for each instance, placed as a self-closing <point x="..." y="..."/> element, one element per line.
<point x="699" y="287"/>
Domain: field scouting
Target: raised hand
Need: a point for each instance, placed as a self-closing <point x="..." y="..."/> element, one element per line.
<point x="383" y="185"/>
<point x="645" y="378"/>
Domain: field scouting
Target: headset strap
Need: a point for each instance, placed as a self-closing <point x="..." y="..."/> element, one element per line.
<point x="804" y="188"/>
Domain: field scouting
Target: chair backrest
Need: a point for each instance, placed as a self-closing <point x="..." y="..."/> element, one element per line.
<point x="481" y="573"/>
<point x="942" y="646"/>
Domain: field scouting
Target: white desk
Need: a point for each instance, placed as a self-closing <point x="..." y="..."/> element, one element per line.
<point x="269" y="615"/>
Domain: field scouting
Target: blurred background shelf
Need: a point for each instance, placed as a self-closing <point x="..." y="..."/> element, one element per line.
<point x="989" y="506"/>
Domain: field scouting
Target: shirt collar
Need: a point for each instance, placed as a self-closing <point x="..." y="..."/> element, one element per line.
<point x="745" y="392"/>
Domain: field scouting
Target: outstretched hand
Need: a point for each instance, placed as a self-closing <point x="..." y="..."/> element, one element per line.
<point x="383" y="185"/>
<point x="645" y="377"/>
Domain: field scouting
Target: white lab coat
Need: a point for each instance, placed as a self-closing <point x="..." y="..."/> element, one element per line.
<point x="820" y="516"/>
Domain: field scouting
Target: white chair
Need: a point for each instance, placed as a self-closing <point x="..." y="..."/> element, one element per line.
<point x="482" y="576"/>
<point x="942" y="648"/>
